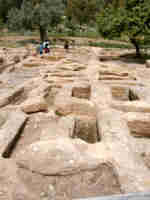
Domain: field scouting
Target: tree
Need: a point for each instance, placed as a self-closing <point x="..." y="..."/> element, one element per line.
<point x="118" y="3"/>
<point x="132" y="19"/>
<point x="82" y="11"/>
<point x="6" y="5"/>
<point x="35" y="13"/>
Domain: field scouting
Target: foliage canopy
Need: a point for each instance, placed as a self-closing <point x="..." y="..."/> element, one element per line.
<point x="132" y="20"/>
<point x="35" y="13"/>
<point x="82" y="11"/>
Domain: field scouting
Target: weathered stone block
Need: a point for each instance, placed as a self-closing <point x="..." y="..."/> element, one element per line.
<point x="36" y="104"/>
<point x="139" y="123"/>
<point x="75" y="106"/>
<point x="120" y="93"/>
<point x="10" y="130"/>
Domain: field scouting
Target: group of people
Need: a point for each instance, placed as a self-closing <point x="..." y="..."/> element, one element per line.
<point x="44" y="47"/>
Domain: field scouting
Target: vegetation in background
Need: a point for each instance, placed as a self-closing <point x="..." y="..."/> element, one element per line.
<point x="132" y="19"/>
<point x="36" y="14"/>
<point x="83" y="12"/>
<point x="6" y="5"/>
<point x="116" y="19"/>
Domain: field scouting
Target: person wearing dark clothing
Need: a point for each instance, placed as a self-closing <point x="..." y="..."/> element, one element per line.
<point x="66" y="45"/>
<point x="46" y="46"/>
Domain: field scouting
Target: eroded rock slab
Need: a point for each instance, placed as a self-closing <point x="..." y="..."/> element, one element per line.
<point x="10" y="131"/>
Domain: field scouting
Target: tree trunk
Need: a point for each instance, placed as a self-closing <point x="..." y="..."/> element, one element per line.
<point x="135" y="43"/>
<point x="118" y="3"/>
<point x="43" y="34"/>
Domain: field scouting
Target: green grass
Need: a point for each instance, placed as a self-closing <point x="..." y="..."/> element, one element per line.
<point x="26" y="41"/>
<point x="86" y="34"/>
<point x="110" y="45"/>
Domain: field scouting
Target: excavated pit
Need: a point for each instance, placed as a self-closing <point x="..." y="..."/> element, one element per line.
<point x="86" y="129"/>
<point x="124" y="94"/>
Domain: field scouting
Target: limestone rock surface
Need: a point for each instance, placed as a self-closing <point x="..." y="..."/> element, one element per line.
<point x="33" y="105"/>
<point x="11" y="186"/>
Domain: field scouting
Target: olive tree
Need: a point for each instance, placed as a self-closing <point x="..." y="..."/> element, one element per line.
<point x="36" y="14"/>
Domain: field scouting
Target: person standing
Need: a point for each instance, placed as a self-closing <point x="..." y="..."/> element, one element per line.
<point x="47" y="49"/>
<point x="46" y="46"/>
<point x="66" y="45"/>
<point x="41" y="48"/>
